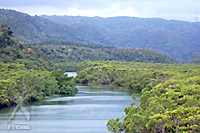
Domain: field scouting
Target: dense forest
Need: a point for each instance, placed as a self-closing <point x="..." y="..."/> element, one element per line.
<point x="62" y="51"/>
<point x="25" y="74"/>
<point x="13" y="51"/>
<point x="178" y="39"/>
<point x="169" y="100"/>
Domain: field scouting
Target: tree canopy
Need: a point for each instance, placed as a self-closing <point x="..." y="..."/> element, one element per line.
<point x="170" y="94"/>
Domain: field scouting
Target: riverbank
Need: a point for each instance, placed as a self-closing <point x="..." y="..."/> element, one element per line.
<point x="170" y="97"/>
<point x="20" y="84"/>
<point x="87" y="111"/>
<point x="133" y="76"/>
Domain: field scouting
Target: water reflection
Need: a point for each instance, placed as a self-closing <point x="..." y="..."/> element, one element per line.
<point x="87" y="112"/>
<point x="71" y="74"/>
<point x="51" y="102"/>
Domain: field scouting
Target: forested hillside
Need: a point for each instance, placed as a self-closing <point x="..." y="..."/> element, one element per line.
<point x="195" y="60"/>
<point x="13" y="51"/>
<point x="178" y="39"/>
<point x="33" y="29"/>
<point x="62" y="51"/>
<point x="25" y="75"/>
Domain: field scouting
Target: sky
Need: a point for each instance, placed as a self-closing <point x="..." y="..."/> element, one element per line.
<point x="184" y="10"/>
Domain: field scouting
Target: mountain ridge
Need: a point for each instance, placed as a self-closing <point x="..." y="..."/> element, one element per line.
<point x="180" y="35"/>
<point x="34" y="29"/>
<point x="179" y="39"/>
<point x="62" y="51"/>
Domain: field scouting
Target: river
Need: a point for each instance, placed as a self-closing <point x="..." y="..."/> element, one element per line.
<point x="86" y="112"/>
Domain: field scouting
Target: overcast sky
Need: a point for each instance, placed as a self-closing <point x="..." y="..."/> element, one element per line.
<point x="187" y="10"/>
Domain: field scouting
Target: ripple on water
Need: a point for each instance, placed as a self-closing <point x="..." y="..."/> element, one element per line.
<point x="86" y="112"/>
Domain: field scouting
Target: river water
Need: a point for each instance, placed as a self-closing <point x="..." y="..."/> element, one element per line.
<point x="86" y="112"/>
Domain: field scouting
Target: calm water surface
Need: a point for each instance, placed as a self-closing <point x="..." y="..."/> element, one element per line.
<point x="87" y="112"/>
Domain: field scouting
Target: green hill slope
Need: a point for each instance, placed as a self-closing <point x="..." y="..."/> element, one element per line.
<point x="195" y="60"/>
<point x="13" y="51"/>
<point x="24" y="75"/>
<point x="61" y="51"/>
<point x="178" y="39"/>
<point x="33" y="29"/>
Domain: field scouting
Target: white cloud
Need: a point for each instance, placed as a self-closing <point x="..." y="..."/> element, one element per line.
<point x="188" y="10"/>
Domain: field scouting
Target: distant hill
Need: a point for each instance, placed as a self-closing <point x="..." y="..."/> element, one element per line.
<point x="178" y="39"/>
<point x="13" y="51"/>
<point x="195" y="60"/>
<point x="34" y="29"/>
<point x="62" y="51"/>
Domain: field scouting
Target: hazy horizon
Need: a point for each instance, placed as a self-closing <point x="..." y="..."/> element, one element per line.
<point x="183" y="10"/>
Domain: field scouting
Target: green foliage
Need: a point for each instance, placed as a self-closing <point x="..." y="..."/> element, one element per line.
<point x="130" y="75"/>
<point x="67" y="66"/>
<point x="29" y="80"/>
<point x="66" y="84"/>
<point x="6" y="29"/>
<point x="178" y="39"/>
<point x="61" y="51"/>
<point x="172" y="106"/>
<point x="13" y="51"/>
<point x="169" y="100"/>
<point x="16" y="80"/>
<point x="170" y="92"/>
<point x="33" y="29"/>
